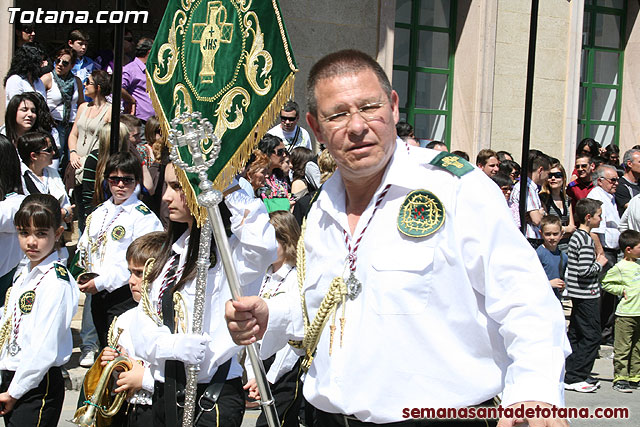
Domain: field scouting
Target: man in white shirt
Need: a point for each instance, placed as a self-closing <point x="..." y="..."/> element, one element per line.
<point x="606" y="237"/>
<point x="409" y="258"/>
<point x="288" y="129"/>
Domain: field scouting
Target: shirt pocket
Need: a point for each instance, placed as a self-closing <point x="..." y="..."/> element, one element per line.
<point x="403" y="281"/>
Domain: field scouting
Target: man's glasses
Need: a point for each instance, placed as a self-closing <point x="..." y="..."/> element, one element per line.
<point x="611" y="180"/>
<point x="557" y="175"/>
<point x="368" y="113"/>
<point x="582" y="166"/>
<point x="29" y="30"/>
<point x="288" y="119"/>
<point x="126" y="180"/>
<point x="64" y="63"/>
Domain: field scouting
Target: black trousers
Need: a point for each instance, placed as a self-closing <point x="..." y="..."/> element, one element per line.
<point x="287" y="393"/>
<point x="107" y="305"/>
<point x="140" y="416"/>
<point x="40" y="406"/>
<point x="584" y="336"/>
<point x="325" y="419"/>
<point x="228" y="411"/>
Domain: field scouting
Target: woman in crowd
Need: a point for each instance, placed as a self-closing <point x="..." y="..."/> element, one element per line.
<point x="155" y="139"/>
<point x="83" y="138"/>
<point x="27" y="66"/>
<point x="556" y="202"/>
<point x="63" y="95"/>
<point x="275" y="193"/>
<point x="36" y="150"/>
<point x="164" y="337"/>
<point x="300" y="185"/>
<point x="93" y="191"/>
<point x="256" y="172"/>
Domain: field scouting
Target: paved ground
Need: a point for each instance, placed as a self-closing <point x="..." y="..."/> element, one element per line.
<point x="604" y="397"/>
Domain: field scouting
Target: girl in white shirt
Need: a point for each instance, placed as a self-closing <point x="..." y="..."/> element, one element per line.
<point x="24" y="73"/>
<point x="35" y="334"/>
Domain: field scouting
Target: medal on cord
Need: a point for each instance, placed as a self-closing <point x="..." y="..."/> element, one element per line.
<point x="102" y="234"/>
<point x="352" y="285"/>
<point x="14" y="348"/>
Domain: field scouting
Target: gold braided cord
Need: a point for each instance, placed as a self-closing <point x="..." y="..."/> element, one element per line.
<point x="335" y="295"/>
<point x="5" y="329"/>
<point x="112" y="340"/>
<point x="144" y="292"/>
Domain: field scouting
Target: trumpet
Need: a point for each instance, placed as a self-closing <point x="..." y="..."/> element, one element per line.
<point x="97" y="408"/>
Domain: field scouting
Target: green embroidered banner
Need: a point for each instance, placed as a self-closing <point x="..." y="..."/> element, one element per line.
<point x="230" y="60"/>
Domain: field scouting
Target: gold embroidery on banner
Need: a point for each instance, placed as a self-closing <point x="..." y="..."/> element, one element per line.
<point x="285" y="42"/>
<point x="186" y="5"/>
<point x="210" y="35"/>
<point x="171" y="46"/>
<point x="224" y="108"/>
<point x="452" y="161"/>
<point x="244" y="5"/>
<point x="252" y="60"/>
<point x="184" y="104"/>
<point x="236" y="70"/>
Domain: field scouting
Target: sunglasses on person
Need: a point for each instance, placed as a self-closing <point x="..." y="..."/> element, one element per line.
<point x="586" y="166"/>
<point x="48" y="149"/>
<point x="126" y="180"/>
<point x="281" y="152"/>
<point x="88" y="83"/>
<point x="64" y="63"/>
<point x="611" y="180"/>
<point x="288" y="119"/>
<point x="29" y="30"/>
<point x="557" y="175"/>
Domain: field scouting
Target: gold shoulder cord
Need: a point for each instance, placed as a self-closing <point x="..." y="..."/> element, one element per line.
<point x="5" y="329"/>
<point x="336" y="295"/>
<point x="144" y="292"/>
<point x="112" y="339"/>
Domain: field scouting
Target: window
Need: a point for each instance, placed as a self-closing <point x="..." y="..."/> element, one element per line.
<point x="423" y="65"/>
<point x="601" y="71"/>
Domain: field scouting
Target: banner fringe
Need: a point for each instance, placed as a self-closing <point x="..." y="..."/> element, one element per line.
<point x="241" y="155"/>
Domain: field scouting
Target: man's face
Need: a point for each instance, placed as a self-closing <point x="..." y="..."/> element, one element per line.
<point x="288" y="120"/>
<point x="363" y="142"/>
<point x="583" y="169"/>
<point x="491" y="167"/>
<point x="634" y="164"/>
<point x="609" y="182"/>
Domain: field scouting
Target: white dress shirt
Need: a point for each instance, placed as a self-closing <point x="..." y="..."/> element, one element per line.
<point x="608" y="230"/>
<point x="447" y="320"/>
<point x="276" y="283"/>
<point x="44" y="335"/>
<point x="126" y="322"/>
<point x="631" y="217"/>
<point x="51" y="183"/>
<point x="111" y="263"/>
<point x="253" y="249"/>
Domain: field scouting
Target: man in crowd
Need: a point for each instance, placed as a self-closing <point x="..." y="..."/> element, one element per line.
<point x="400" y="303"/>
<point x="582" y="185"/>
<point x="628" y="185"/>
<point x="134" y="83"/>
<point x="288" y="129"/>
<point x="537" y="175"/>
<point x="606" y="239"/>
<point x="487" y="161"/>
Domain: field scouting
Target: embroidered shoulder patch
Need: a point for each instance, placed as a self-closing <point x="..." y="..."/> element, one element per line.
<point x="421" y="214"/>
<point x="142" y="208"/>
<point x="118" y="232"/>
<point x="26" y="301"/>
<point x="61" y="272"/>
<point x="453" y="163"/>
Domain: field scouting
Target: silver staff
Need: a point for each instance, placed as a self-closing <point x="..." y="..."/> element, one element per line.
<point x="197" y="131"/>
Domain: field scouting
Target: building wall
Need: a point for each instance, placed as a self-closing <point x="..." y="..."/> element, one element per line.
<point x="512" y="43"/>
<point x="630" y="113"/>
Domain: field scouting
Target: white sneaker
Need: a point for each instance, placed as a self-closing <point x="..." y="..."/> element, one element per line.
<point x="581" y="387"/>
<point x="87" y="357"/>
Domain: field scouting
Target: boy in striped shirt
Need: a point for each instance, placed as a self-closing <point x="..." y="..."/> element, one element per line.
<point x="581" y="280"/>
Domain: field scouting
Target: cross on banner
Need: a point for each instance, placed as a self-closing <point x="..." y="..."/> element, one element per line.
<point x="210" y="35"/>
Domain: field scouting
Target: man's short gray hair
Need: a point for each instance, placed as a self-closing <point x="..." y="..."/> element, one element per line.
<point x="600" y="172"/>
<point x="628" y="156"/>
